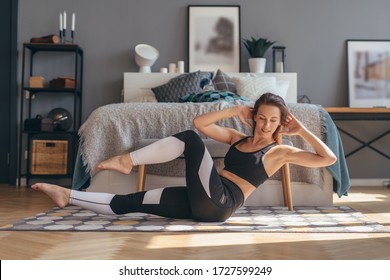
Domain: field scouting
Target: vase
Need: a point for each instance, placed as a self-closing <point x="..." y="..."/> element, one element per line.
<point x="257" y="65"/>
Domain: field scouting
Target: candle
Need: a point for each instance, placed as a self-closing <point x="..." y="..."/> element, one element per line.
<point x="64" y="20"/>
<point x="73" y="21"/>
<point x="279" y="67"/>
<point x="180" y="66"/>
<point x="172" y="67"/>
<point x="60" y="21"/>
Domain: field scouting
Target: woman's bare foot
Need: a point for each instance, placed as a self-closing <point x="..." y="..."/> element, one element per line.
<point x="122" y="164"/>
<point x="58" y="194"/>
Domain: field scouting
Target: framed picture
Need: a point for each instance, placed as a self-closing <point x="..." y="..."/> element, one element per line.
<point x="368" y="73"/>
<point x="214" y="38"/>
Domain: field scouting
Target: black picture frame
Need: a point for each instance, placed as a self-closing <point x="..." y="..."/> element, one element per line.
<point x="214" y="33"/>
<point x="368" y="63"/>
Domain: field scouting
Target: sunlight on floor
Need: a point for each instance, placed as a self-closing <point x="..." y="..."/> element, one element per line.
<point x="84" y="248"/>
<point x="371" y="197"/>
<point x="236" y="239"/>
<point x="359" y="197"/>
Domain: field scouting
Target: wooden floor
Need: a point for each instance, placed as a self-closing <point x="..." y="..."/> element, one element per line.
<point x="17" y="203"/>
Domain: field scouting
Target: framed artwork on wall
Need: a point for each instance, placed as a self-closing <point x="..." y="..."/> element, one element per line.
<point x="368" y="64"/>
<point x="214" y="38"/>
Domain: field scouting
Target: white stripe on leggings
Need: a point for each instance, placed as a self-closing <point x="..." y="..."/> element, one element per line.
<point x="96" y="202"/>
<point x="163" y="150"/>
<point x="205" y="171"/>
<point x="153" y="196"/>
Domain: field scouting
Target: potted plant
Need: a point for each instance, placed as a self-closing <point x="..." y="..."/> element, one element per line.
<point x="257" y="49"/>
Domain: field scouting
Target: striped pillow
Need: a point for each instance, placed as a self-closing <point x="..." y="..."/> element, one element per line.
<point x="222" y="81"/>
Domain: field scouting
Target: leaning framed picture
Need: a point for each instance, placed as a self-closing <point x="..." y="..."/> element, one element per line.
<point x="368" y="73"/>
<point x="214" y="38"/>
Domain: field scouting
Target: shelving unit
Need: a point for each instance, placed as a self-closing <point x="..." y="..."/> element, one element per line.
<point x="27" y="102"/>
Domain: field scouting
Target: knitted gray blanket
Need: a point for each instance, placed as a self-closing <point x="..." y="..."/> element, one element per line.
<point x="117" y="128"/>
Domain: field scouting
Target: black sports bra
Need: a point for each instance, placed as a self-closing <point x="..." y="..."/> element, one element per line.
<point x="247" y="165"/>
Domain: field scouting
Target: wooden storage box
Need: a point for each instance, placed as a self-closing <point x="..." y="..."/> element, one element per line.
<point x="49" y="157"/>
<point x="62" y="83"/>
<point x="37" y="82"/>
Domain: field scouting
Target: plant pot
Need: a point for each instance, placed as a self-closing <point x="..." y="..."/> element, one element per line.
<point x="257" y="65"/>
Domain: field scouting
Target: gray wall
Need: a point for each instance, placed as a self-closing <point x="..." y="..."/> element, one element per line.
<point x="313" y="31"/>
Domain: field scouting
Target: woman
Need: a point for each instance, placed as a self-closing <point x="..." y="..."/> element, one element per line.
<point x="208" y="196"/>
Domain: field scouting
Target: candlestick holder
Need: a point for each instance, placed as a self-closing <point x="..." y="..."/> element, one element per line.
<point x="278" y="66"/>
<point x="63" y="36"/>
<point x="63" y="39"/>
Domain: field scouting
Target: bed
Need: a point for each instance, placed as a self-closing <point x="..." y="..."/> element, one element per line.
<point x="148" y="112"/>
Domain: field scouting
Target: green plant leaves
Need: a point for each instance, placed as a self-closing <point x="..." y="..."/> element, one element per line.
<point x="257" y="47"/>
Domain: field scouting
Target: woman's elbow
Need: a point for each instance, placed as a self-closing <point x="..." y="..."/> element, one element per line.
<point x="331" y="159"/>
<point x="195" y="122"/>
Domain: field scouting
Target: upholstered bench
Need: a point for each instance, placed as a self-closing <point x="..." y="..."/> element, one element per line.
<point x="217" y="150"/>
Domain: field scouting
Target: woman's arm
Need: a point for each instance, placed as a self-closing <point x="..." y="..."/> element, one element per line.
<point x="322" y="155"/>
<point x="206" y="123"/>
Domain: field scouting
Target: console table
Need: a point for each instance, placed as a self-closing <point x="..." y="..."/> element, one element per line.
<point x="361" y="114"/>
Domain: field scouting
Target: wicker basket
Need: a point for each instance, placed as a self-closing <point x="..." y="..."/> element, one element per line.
<point x="49" y="157"/>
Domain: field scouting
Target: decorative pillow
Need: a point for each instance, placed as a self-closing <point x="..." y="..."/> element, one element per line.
<point x="282" y="88"/>
<point x="181" y="85"/>
<point x="206" y="84"/>
<point x="150" y="98"/>
<point x="141" y="95"/>
<point x="222" y="81"/>
<point x="253" y="87"/>
<point x="212" y="96"/>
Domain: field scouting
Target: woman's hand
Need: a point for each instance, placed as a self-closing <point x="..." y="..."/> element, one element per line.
<point x="245" y="113"/>
<point x="292" y="126"/>
<point x="322" y="155"/>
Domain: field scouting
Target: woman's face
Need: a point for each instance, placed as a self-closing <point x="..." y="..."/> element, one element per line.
<point x="267" y="119"/>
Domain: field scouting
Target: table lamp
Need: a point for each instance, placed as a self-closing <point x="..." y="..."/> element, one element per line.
<point x="145" y="56"/>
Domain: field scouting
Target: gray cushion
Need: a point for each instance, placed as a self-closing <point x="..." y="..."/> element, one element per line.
<point x="223" y="81"/>
<point x="180" y="86"/>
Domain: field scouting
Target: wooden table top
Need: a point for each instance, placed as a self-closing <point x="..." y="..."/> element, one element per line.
<point x="357" y="110"/>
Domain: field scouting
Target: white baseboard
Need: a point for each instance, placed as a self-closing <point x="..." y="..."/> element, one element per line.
<point x="369" y="182"/>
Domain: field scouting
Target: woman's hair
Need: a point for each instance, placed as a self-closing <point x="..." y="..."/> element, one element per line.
<point x="272" y="100"/>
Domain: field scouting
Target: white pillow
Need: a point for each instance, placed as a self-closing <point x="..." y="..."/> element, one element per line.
<point x="143" y="99"/>
<point x="282" y="88"/>
<point x="143" y="95"/>
<point x="253" y="87"/>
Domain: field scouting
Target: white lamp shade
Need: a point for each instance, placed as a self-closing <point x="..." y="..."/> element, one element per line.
<point x="145" y="56"/>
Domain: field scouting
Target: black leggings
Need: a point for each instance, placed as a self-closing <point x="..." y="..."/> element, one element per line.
<point x="207" y="196"/>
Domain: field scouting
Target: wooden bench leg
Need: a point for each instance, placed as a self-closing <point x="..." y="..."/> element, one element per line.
<point x="286" y="182"/>
<point x="141" y="178"/>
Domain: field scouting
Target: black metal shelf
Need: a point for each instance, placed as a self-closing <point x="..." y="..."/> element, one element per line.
<point x="52" y="90"/>
<point x="38" y="47"/>
<point x="47" y="176"/>
<point x="26" y="106"/>
<point x="54" y="132"/>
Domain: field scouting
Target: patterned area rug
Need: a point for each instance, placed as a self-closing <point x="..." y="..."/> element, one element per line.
<point x="259" y="219"/>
